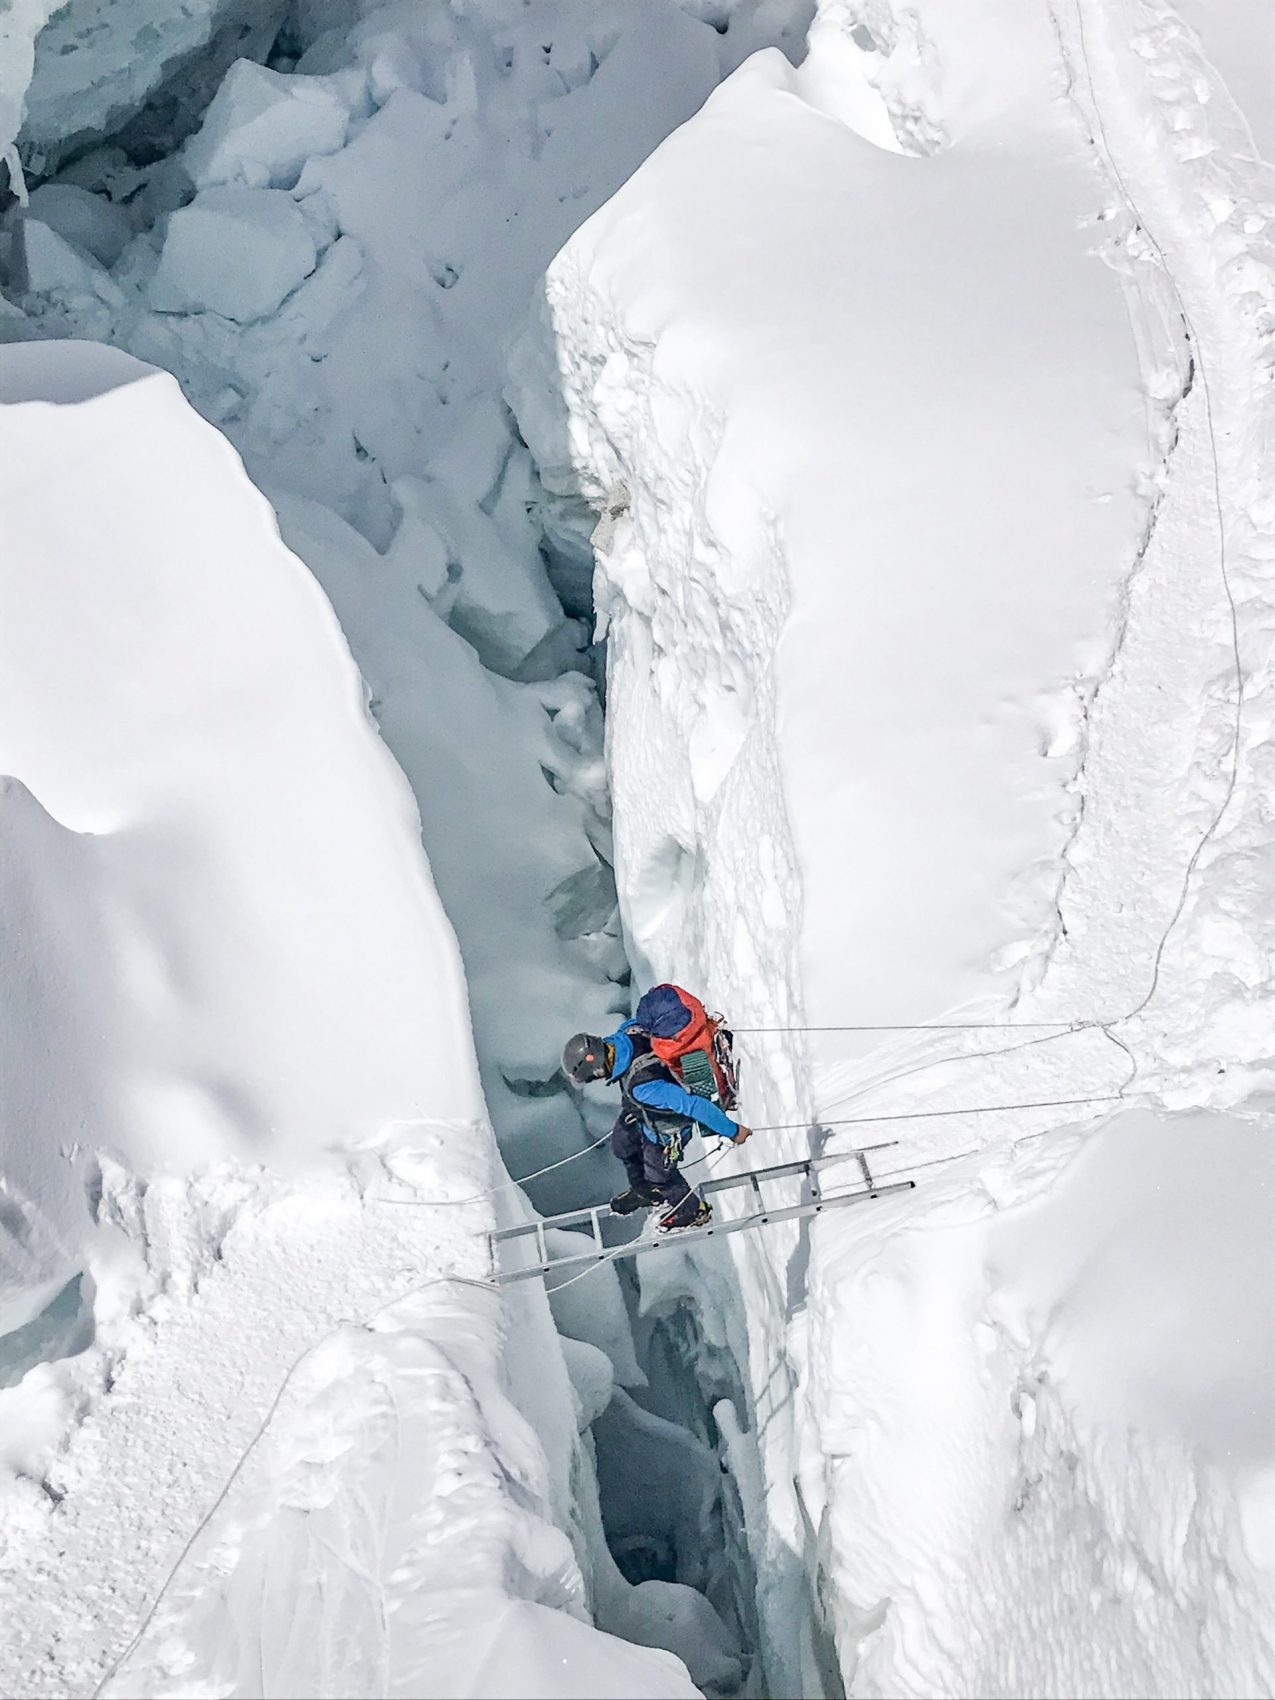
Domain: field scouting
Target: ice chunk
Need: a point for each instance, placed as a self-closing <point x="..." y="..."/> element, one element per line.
<point x="53" y="265"/>
<point x="262" y="127"/>
<point x="594" y="1311"/>
<point x="98" y="66"/>
<point x="234" y="251"/>
<point x="592" y="1378"/>
<point x="683" y="1622"/>
<point x="86" y="221"/>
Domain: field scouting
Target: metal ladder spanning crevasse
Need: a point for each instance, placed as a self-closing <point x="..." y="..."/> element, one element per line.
<point x="507" y="1243"/>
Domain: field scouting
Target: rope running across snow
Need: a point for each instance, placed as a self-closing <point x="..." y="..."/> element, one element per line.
<point x="254" y="1441"/>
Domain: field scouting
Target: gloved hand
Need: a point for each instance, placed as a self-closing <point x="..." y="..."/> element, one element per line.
<point x="743" y="1134"/>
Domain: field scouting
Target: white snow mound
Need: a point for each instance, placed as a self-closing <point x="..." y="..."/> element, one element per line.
<point x="221" y="935"/>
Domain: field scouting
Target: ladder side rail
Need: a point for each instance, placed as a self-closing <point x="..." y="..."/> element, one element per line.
<point x="520" y="1232"/>
<point x="777" y="1172"/>
<point x="718" y="1230"/>
<point x="852" y="1156"/>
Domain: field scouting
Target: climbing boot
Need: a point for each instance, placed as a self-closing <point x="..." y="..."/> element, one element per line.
<point x="692" y="1212"/>
<point x="636" y="1198"/>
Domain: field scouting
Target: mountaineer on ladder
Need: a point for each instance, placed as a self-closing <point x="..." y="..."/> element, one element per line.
<point x="673" y="1065"/>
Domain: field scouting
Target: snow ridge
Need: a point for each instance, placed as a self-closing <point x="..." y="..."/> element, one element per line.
<point x="951" y="1430"/>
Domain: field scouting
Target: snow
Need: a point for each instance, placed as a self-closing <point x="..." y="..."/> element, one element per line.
<point x="373" y="393"/>
<point x="262" y="127"/>
<point x="234" y="251"/>
<point x="85" y="220"/>
<point x="199" y="982"/>
<point x="239" y="1077"/>
<point x="921" y="707"/>
<point x="1104" y="1358"/>
<point x="175" y="1508"/>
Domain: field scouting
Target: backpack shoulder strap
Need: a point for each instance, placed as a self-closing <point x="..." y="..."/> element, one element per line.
<point x="644" y="1068"/>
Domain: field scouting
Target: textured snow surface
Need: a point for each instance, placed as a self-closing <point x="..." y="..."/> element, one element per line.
<point x="914" y="475"/>
<point x="271" y="1444"/>
<point x="363" y="389"/>
<point x="229" y="944"/>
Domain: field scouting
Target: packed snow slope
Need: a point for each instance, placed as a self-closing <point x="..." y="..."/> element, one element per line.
<point x="238" y="1076"/>
<point x="919" y="399"/>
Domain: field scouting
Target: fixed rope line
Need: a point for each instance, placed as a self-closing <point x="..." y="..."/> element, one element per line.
<point x="925" y="1027"/>
<point x="255" y="1440"/>
<point x="500" y="1186"/>
<point x="1197" y="357"/>
<point x="926" y="1115"/>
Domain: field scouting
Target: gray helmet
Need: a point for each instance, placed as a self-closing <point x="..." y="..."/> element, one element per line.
<point x="585" y="1057"/>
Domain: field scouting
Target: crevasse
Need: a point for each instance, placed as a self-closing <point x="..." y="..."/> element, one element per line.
<point x="320" y="261"/>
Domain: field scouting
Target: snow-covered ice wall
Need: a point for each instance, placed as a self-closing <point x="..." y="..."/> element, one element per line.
<point x="222" y="939"/>
<point x="237" y="1067"/>
<point x="922" y="696"/>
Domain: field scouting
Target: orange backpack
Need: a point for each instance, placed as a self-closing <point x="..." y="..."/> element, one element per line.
<point x="690" y="1041"/>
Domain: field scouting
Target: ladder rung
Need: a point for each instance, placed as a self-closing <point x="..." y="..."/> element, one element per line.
<point x="687" y="1236"/>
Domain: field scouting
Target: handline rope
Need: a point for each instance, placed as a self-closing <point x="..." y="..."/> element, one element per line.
<point x="1197" y="355"/>
<point x="500" y="1186"/>
<point x="254" y="1442"/>
<point x="926" y="1115"/>
<point x="1206" y="390"/>
<point x="1066" y="1026"/>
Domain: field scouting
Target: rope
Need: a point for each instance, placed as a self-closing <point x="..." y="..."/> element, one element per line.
<point x="926" y="1115"/>
<point x="1200" y="365"/>
<point x="924" y="1027"/>
<point x="501" y="1186"/>
<point x="257" y="1436"/>
<point x="1197" y="356"/>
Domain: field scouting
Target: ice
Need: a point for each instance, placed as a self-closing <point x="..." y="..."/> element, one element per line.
<point x="238" y="1072"/>
<point x="55" y="266"/>
<point x="233" y="251"/>
<point x="87" y="221"/>
<point x="529" y="1651"/>
<point x="1154" y="1309"/>
<point x="921" y="696"/>
<point x="261" y="128"/>
<point x="666" y="1614"/>
<point x="22" y="23"/>
<point x="136" y="836"/>
<point x="1114" y="1375"/>
<point x="593" y="1381"/>
<point x="98" y="61"/>
<point x="595" y="1312"/>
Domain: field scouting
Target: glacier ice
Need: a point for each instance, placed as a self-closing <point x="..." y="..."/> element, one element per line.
<point x="234" y="251"/>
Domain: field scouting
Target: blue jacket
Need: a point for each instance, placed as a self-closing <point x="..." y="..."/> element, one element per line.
<point x="667" y="1099"/>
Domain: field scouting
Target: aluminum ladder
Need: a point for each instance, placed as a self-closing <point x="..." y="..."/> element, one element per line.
<point x="509" y="1245"/>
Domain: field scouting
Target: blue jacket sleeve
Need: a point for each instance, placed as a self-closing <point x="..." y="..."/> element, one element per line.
<point x="665" y="1095"/>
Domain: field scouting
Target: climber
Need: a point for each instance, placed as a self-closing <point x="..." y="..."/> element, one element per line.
<point x="654" y="1122"/>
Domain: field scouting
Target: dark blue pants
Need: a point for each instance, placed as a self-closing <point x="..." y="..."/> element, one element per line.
<point x="646" y="1163"/>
